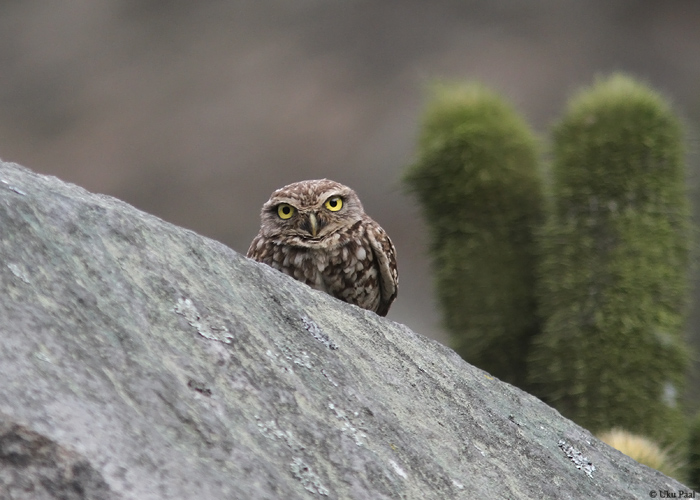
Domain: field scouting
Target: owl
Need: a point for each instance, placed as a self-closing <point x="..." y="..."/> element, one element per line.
<point x="317" y="232"/>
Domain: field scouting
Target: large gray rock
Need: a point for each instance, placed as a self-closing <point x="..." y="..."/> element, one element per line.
<point x="139" y="360"/>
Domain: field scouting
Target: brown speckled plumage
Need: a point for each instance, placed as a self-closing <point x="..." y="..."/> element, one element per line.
<point x="350" y="257"/>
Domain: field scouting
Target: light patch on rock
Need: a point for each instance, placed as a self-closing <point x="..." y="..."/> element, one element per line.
<point x="203" y="325"/>
<point x="311" y="326"/>
<point x="581" y="462"/>
<point x="13" y="188"/>
<point x="18" y="271"/>
<point x="347" y="425"/>
<point x="308" y="478"/>
<point x="398" y="469"/>
<point x="270" y="430"/>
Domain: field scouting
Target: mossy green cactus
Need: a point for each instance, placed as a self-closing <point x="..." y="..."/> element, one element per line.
<point x="613" y="279"/>
<point x="694" y="453"/>
<point x="476" y="177"/>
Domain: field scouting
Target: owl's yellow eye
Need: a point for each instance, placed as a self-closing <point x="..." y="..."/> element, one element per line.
<point x="285" y="211"/>
<point x="334" y="203"/>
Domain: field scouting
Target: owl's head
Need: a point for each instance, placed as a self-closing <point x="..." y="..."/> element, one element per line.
<point x="307" y="213"/>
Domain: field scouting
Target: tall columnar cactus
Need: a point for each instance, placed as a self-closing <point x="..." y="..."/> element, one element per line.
<point x="476" y="177"/>
<point x="614" y="268"/>
<point x="694" y="453"/>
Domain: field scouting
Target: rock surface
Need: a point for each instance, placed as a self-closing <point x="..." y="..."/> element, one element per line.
<point x="142" y="361"/>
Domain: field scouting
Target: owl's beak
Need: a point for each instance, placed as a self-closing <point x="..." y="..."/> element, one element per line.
<point x="314" y="224"/>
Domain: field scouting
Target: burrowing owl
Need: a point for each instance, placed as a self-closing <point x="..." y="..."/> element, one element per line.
<point x="318" y="232"/>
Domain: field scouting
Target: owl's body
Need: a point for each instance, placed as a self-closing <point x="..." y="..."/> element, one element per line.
<point x="317" y="232"/>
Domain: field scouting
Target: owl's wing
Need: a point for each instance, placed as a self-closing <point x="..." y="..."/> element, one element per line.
<point x="262" y="250"/>
<point x="385" y="256"/>
<point x="256" y="248"/>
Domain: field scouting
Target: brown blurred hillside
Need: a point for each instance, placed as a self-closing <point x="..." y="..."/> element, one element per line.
<point x="197" y="111"/>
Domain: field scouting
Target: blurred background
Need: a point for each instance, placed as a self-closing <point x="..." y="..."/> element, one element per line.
<point x="197" y="111"/>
